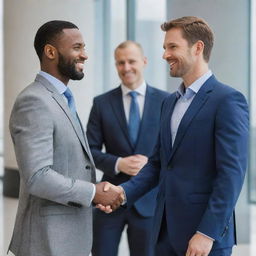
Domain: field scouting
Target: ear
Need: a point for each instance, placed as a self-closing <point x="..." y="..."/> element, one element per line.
<point x="145" y="60"/>
<point x="50" y="51"/>
<point x="199" y="47"/>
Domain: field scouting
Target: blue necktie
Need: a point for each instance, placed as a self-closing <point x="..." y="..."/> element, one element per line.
<point x="134" y="117"/>
<point x="71" y="102"/>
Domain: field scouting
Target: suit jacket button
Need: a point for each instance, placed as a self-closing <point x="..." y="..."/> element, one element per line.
<point x="87" y="167"/>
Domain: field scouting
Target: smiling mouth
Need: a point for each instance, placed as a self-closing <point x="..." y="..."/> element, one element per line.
<point x="127" y="74"/>
<point x="80" y="65"/>
<point x="172" y="64"/>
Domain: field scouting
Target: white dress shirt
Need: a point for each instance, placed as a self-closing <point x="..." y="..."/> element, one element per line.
<point x="141" y="90"/>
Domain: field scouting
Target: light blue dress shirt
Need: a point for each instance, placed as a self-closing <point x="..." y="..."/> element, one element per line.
<point x="185" y="97"/>
<point x="60" y="87"/>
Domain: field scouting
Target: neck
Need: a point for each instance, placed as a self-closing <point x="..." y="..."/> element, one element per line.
<point x="55" y="73"/>
<point x="194" y="74"/>
<point x="132" y="86"/>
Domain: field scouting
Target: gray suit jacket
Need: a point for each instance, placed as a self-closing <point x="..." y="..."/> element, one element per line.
<point x="54" y="215"/>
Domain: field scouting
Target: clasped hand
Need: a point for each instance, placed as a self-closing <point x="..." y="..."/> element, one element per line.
<point x="108" y="197"/>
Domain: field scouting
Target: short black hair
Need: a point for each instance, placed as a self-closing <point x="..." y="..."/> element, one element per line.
<point x="48" y="33"/>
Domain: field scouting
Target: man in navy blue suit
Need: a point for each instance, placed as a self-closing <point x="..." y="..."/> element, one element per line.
<point x="126" y="122"/>
<point x="200" y="159"/>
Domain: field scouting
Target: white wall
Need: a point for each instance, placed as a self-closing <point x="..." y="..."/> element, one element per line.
<point x="22" y="19"/>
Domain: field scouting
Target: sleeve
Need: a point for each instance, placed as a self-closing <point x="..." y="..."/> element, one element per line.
<point x="149" y="176"/>
<point x="231" y="146"/>
<point x="104" y="161"/>
<point x="32" y="130"/>
<point x="146" y="179"/>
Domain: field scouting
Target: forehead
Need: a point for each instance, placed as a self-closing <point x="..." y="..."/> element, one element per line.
<point x="69" y="37"/>
<point x="130" y="51"/>
<point x="174" y="36"/>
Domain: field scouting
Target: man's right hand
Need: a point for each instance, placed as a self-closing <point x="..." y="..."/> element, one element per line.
<point x="108" y="195"/>
<point x="110" y="208"/>
<point x="131" y="165"/>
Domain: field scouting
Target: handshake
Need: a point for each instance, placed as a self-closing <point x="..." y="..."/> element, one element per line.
<point x="108" y="197"/>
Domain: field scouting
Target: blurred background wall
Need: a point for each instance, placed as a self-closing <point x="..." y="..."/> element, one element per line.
<point x="106" y="23"/>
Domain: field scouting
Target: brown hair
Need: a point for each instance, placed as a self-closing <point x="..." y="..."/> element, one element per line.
<point x="127" y="43"/>
<point x="193" y="29"/>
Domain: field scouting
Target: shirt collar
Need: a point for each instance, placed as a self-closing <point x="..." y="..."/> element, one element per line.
<point x="195" y="86"/>
<point x="60" y="87"/>
<point x="141" y="90"/>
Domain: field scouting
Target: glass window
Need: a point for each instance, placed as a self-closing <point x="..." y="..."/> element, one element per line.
<point x="1" y="88"/>
<point x="150" y="14"/>
<point x="252" y="167"/>
<point x="110" y="24"/>
<point x="110" y="30"/>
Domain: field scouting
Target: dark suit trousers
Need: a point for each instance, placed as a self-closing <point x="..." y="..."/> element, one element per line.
<point x="165" y="248"/>
<point x="107" y="230"/>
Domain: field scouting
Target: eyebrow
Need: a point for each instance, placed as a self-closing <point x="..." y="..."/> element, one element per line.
<point x="169" y="44"/>
<point x="79" y="44"/>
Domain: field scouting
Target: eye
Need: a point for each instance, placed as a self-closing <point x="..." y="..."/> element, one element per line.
<point x="120" y="63"/>
<point x="79" y="47"/>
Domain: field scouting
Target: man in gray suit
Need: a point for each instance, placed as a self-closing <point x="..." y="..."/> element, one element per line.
<point x="56" y="167"/>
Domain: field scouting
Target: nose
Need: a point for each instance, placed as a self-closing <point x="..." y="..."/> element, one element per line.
<point x="84" y="55"/>
<point x="164" y="55"/>
<point x="126" y="66"/>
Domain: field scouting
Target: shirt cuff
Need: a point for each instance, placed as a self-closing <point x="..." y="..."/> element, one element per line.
<point x="125" y="199"/>
<point x="116" y="169"/>
<point x="93" y="193"/>
<point x="205" y="235"/>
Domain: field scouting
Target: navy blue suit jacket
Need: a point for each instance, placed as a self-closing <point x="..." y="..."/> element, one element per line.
<point x="107" y="126"/>
<point x="201" y="175"/>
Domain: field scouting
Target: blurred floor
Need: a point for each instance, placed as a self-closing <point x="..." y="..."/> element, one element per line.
<point x="8" y="207"/>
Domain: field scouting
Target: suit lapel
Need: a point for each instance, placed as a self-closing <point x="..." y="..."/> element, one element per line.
<point x="58" y="98"/>
<point x="197" y="103"/>
<point x="77" y="127"/>
<point x="166" y="134"/>
<point x="148" y="106"/>
<point x="116" y="101"/>
<point x="150" y="98"/>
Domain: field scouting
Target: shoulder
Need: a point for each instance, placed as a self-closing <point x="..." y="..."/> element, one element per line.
<point x="34" y="91"/>
<point x="223" y="91"/>
<point x="157" y="92"/>
<point x="108" y="95"/>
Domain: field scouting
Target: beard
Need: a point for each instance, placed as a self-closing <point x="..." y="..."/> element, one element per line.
<point x="180" y="71"/>
<point x="68" y="69"/>
<point x="183" y="65"/>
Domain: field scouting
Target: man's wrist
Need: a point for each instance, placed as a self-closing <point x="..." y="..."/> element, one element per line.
<point x="198" y="232"/>
<point x="125" y="199"/>
<point x="116" y="165"/>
